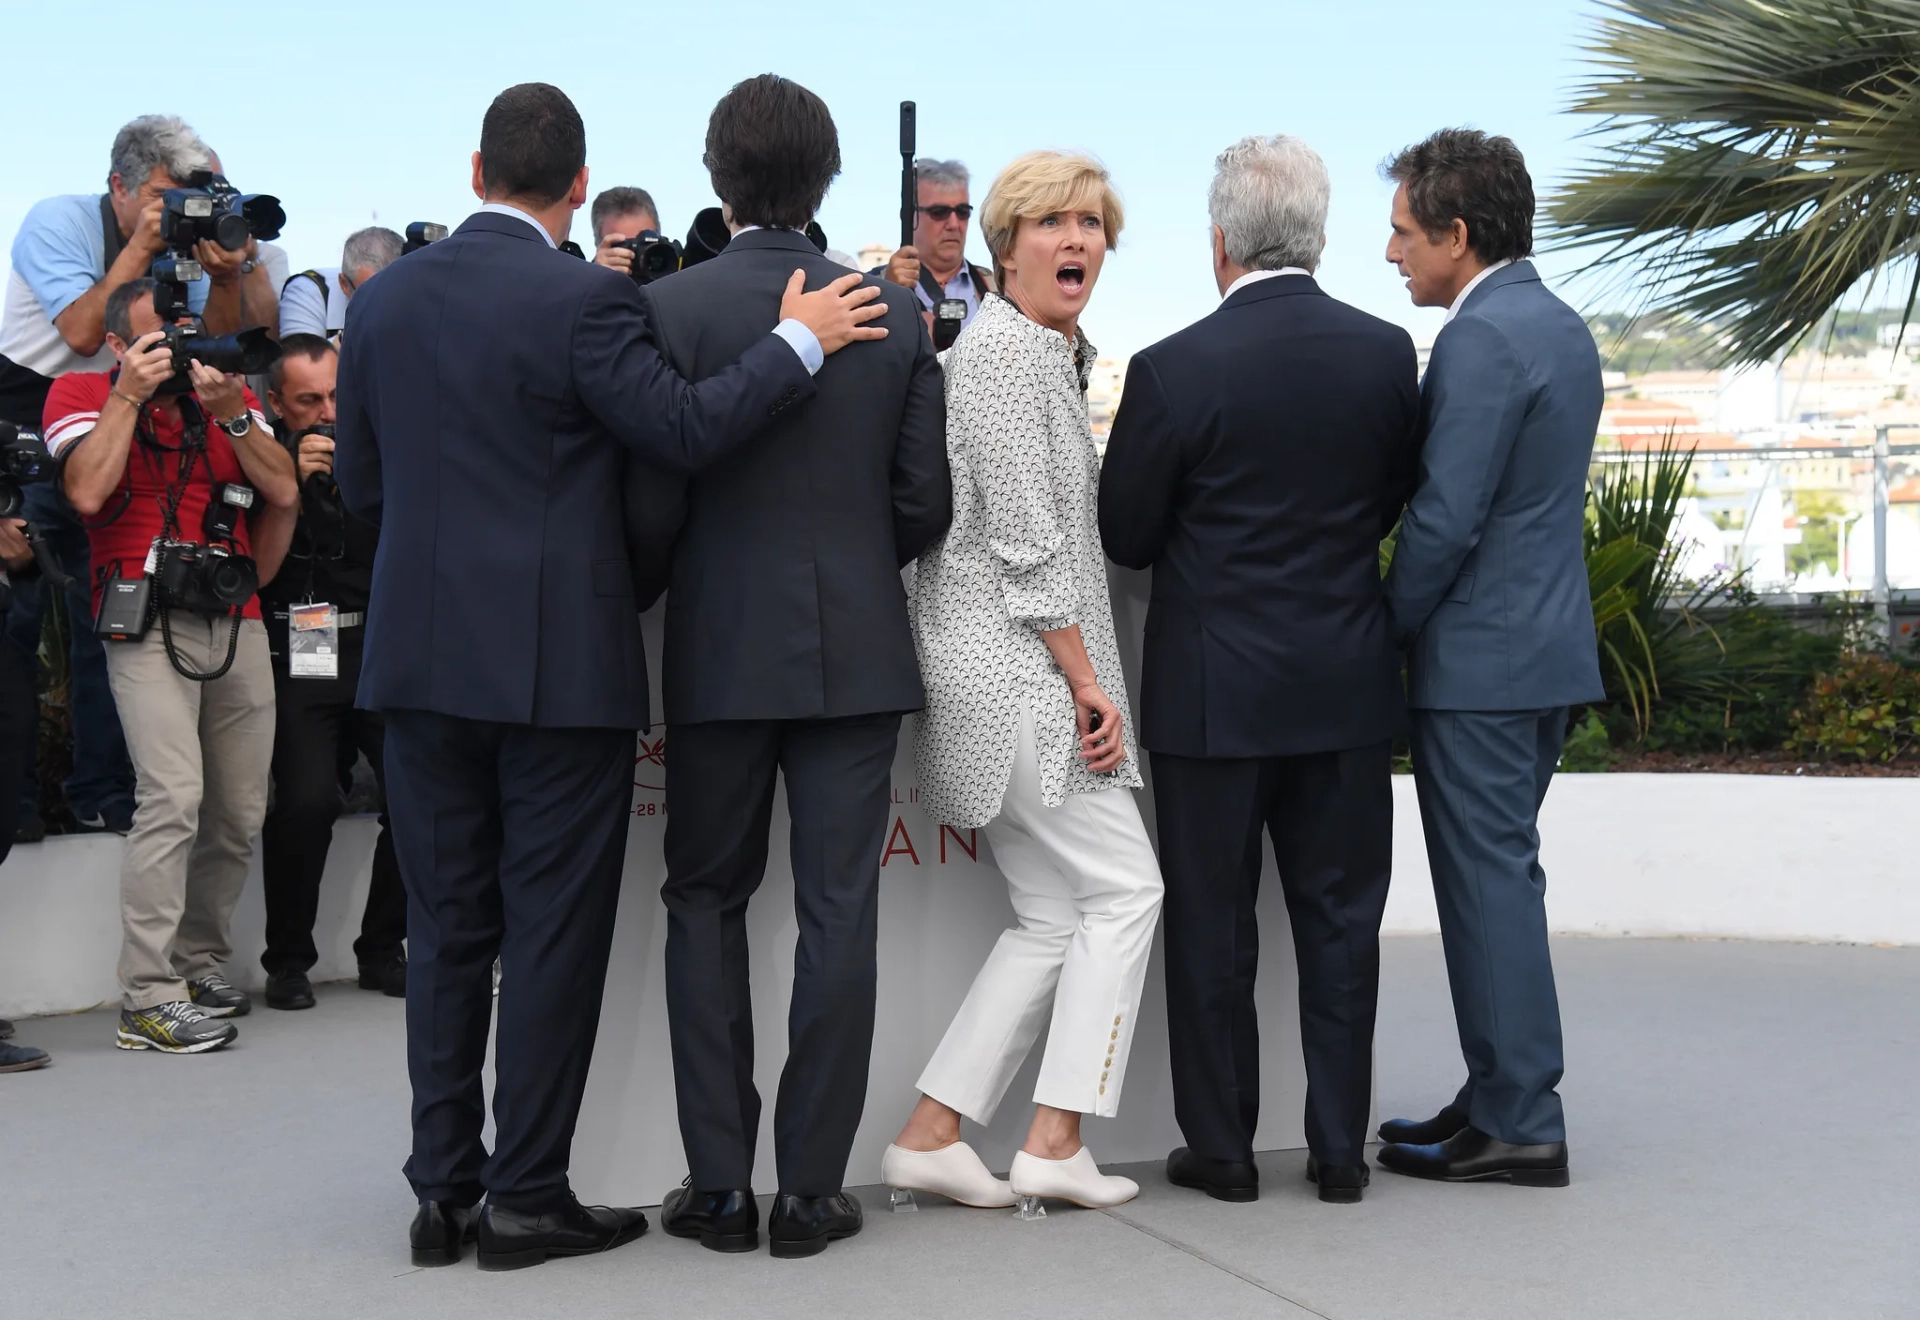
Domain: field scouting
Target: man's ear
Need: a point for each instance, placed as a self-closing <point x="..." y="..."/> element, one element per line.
<point x="479" y="179"/>
<point x="577" y="197"/>
<point x="1219" y="247"/>
<point x="117" y="344"/>
<point x="1457" y="244"/>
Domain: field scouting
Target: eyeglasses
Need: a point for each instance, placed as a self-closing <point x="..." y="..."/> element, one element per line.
<point x="939" y="214"/>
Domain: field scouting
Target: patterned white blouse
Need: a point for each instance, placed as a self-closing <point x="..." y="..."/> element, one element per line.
<point x="1023" y="556"/>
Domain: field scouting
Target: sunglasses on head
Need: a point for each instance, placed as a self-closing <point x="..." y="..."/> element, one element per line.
<point x="939" y="214"/>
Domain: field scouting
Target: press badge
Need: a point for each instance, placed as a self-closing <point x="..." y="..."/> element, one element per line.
<point x="313" y="641"/>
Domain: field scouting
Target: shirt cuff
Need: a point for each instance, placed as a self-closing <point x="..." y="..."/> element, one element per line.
<point x="804" y="342"/>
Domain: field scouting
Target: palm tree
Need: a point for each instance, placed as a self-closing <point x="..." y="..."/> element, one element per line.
<point x="1758" y="158"/>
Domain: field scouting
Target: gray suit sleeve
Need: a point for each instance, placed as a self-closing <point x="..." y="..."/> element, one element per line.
<point x="1476" y="399"/>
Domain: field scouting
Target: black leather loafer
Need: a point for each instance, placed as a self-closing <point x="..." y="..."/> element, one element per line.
<point x="1223" y="1180"/>
<point x="722" y="1221"/>
<point x="1408" y="1132"/>
<point x="440" y="1233"/>
<point x="1340" y="1184"/>
<point x="289" y="990"/>
<point x="1472" y="1156"/>
<point x="515" y="1239"/>
<point x="804" y="1225"/>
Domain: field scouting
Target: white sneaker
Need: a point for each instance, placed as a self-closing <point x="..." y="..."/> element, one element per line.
<point x="1077" y="1179"/>
<point x="954" y="1172"/>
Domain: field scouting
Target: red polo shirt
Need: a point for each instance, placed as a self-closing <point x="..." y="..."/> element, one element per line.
<point x="119" y="542"/>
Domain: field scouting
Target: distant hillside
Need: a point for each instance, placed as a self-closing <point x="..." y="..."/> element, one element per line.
<point x="1659" y="343"/>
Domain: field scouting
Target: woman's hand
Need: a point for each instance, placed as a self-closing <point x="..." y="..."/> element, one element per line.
<point x="1101" y="745"/>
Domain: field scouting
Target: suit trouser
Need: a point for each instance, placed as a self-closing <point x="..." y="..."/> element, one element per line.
<point x="1481" y="777"/>
<point x="316" y="724"/>
<point x="1330" y="816"/>
<point x="720" y="779"/>
<point x="511" y="841"/>
<point x="201" y="753"/>
<point x="1086" y="891"/>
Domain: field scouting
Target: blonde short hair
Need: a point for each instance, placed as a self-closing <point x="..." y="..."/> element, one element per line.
<point x="1042" y="183"/>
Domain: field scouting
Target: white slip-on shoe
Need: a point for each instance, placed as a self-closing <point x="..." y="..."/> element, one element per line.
<point x="1077" y="1179"/>
<point x="954" y="1172"/>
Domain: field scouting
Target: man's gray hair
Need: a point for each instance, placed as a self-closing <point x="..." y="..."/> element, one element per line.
<point x="1269" y="197"/>
<point x="157" y="140"/>
<point x="372" y="249"/>
<point x="940" y="173"/>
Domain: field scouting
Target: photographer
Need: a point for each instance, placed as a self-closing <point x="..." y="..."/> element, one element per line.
<point x="314" y="302"/>
<point x="157" y="458"/>
<point x="619" y="214"/>
<point x="71" y="253"/>
<point x="318" y="731"/>
<point x="935" y="267"/>
<point x="16" y="720"/>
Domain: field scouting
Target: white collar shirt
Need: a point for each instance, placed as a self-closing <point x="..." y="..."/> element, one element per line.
<point x="1255" y="276"/>
<point x="501" y="208"/>
<point x="1461" y="299"/>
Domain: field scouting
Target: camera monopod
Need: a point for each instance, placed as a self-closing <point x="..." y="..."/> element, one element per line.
<point x="949" y="314"/>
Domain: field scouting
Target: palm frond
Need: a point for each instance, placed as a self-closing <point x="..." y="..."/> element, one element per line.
<point x="1755" y="162"/>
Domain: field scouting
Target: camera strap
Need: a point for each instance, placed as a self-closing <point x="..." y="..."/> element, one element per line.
<point x="110" y="232"/>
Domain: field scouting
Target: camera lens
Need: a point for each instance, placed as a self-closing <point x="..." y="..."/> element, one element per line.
<point x="230" y="231"/>
<point x="232" y="579"/>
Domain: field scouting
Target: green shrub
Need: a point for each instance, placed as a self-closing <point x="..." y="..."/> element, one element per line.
<point x="1588" y="747"/>
<point x="1866" y="709"/>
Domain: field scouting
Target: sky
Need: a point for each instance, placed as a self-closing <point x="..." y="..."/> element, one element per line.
<point x="355" y="112"/>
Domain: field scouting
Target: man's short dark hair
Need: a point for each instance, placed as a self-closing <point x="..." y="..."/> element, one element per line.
<point x="532" y="144"/>
<point x="772" y="152"/>
<point x="311" y="347"/>
<point x="622" y="201"/>
<point x="119" y="313"/>
<point x="1464" y="174"/>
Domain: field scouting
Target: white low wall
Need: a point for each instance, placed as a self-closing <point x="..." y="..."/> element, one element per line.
<point x="1765" y="857"/>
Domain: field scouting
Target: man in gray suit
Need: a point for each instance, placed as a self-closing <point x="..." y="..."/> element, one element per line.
<point x="1489" y="591"/>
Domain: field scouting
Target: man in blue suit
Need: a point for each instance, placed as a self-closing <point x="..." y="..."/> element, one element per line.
<point x="492" y="390"/>
<point x="1489" y="590"/>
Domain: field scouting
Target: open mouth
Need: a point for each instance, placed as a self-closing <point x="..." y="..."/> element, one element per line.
<point x="1072" y="277"/>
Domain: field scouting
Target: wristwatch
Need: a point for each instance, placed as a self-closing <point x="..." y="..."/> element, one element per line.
<point x="238" y="426"/>
<point x="249" y="266"/>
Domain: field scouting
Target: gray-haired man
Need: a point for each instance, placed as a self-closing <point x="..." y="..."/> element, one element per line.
<point x="314" y="302"/>
<point x="1258" y="458"/>
<point x="935" y="267"/>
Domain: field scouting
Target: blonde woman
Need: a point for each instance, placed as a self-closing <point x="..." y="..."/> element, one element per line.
<point x="1025" y="732"/>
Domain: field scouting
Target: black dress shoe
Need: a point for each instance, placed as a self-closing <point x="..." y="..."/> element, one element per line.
<point x="804" y="1225"/>
<point x="440" y="1232"/>
<point x="289" y="990"/>
<point x="723" y="1221"/>
<point x="515" y="1239"/>
<point x="387" y="974"/>
<point x="1340" y="1184"/>
<point x="1472" y="1156"/>
<point x="1223" y="1180"/>
<point x="1407" y="1132"/>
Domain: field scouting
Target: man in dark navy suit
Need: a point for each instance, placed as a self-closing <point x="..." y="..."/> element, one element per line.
<point x="492" y="390"/>
<point x="787" y="653"/>
<point x="1258" y="458"/>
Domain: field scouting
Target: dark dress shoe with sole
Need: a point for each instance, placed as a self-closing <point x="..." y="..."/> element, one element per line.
<point x="515" y="1239"/>
<point x="804" y="1225"/>
<point x="722" y="1221"/>
<point x="440" y="1233"/>
<point x="1472" y="1156"/>
<point x="1223" y="1180"/>
<point x="1339" y="1184"/>
<point x="1407" y="1132"/>
<point x="289" y="990"/>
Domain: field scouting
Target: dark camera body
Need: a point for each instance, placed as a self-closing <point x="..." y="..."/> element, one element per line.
<point x="23" y="462"/>
<point x="654" y="256"/>
<point x="248" y="353"/>
<point x="211" y="209"/>
<point x="206" y="579"/>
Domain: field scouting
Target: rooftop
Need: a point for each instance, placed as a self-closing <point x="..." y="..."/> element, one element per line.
<point x="1739" y="1115"/>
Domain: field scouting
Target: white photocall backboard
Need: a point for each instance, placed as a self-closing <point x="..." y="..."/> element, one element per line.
<point x="942" y="906"/>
